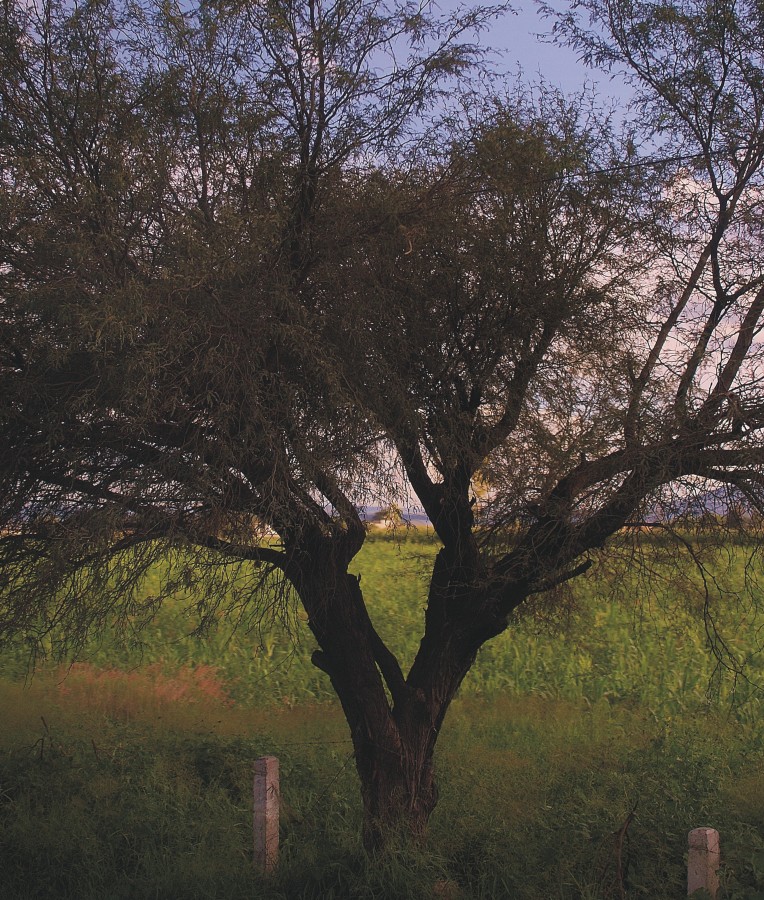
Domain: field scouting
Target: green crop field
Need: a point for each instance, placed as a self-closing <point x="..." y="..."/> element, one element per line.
<point x="582" y="748"/>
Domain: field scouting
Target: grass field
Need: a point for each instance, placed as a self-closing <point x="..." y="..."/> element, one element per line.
<point x="128" y="773"/>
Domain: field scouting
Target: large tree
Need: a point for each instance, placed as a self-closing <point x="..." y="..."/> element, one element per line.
<point x="257" y="268"/>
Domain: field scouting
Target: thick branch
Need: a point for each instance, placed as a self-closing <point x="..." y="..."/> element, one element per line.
<point x="743" y="344"/>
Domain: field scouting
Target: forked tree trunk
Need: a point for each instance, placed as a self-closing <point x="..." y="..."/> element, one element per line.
<point x="394" y="742"/>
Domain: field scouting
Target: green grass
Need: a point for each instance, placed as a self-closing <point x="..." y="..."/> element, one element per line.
<point x="651" y="651"/>
<point x="532" y="792"/>
<point x="131" y="777"/>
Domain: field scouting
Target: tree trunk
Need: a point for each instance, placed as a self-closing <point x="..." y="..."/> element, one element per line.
<point x="398" y="789"/>
<point x="395" y="762"/>
<point x="394" y="752"/>
<point x="394" y="723"/>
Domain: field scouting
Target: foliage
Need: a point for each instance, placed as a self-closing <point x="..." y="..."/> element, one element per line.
<point x="146" y="769"/>
<point x="257" y="270"/>
<point x="621" y="641"/>
<point x="97" y="806"/>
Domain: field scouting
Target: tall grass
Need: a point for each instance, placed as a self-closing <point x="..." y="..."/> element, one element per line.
<point x="572" y="765"/>
<point x="610" y="644"/>
<point x="95" y="804"/>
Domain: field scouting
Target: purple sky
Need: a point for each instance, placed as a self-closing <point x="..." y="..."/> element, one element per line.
<point x="514" y="37"/>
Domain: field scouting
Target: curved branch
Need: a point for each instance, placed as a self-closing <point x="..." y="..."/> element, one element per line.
<point x="743" y="344"/>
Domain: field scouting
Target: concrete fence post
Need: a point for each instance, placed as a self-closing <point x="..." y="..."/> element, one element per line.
<point x="266" y="820"/>
<point x="703" y="861"/>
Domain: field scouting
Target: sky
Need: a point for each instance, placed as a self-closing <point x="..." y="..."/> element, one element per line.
<point x="515" y="37"/>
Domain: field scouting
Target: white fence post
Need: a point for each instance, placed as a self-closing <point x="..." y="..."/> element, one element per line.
<point x="266" y="820"/>
<point x="703" y="861"/>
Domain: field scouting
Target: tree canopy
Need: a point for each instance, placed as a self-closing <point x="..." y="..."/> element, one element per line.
<point x="262" y="263"/>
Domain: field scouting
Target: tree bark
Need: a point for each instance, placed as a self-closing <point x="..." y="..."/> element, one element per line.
<point x="394" y="723"/>
<point x="398" y="787"/>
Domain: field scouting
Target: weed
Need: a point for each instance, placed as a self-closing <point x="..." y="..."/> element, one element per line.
<point x="572" y="765"/>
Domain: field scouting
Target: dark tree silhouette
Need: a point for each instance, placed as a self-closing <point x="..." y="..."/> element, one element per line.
<point x="257" y="268"/>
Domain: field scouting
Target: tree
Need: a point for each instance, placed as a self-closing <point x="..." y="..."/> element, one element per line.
<point x="244" y="289"/>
